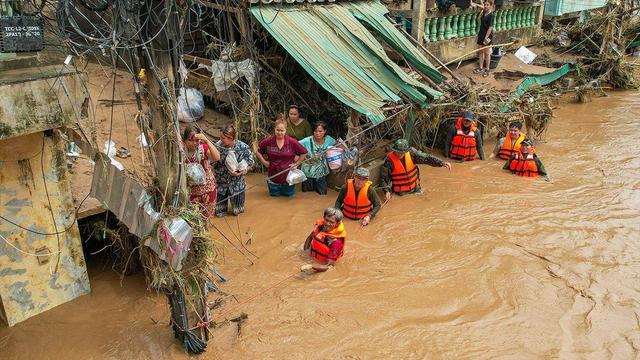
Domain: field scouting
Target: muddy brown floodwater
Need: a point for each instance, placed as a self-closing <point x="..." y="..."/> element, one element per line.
<point x="482" y="265"/>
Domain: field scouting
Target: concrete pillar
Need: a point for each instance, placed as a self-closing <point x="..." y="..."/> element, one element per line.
<point x="419" y="14"/>
<point x="540" y="14"/>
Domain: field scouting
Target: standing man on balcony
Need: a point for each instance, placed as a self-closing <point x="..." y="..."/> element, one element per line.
<point x="485" y="36"/>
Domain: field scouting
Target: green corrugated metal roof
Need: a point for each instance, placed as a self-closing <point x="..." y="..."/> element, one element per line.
<point x="373" y="14"/>
<point x="541" y="79"/>
<point x="532" y="80"/>
<point x="343" y="56"/>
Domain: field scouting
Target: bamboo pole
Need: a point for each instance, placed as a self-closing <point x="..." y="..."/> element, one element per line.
<point x="426" y="51"/>
<point x="476" y="50"/>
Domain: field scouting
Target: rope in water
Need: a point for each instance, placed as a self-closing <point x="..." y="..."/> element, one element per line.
<point x="264" y="291"/>
<point x="223" y="314"/>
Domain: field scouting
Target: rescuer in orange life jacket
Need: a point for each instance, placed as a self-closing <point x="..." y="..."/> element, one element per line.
<point x="399" y="174"/>
<point x="464" y="140"/>
<point x="510" y="144"/>
<point x="525" y="162"/>
<point x="358" y="199"/>
<point x="326" y="241"/>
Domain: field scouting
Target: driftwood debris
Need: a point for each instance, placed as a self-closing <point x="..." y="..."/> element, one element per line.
<point x="600" y="44"/>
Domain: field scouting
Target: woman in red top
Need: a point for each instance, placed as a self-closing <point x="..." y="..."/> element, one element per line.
<point x="279" y="153"/>
<point x="199" y="149"/>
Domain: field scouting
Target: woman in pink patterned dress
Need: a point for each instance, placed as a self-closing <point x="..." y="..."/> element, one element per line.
<point x="199" y="149"/>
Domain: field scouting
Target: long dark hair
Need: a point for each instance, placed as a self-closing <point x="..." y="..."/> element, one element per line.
<point x="321" y="124"/>
<point x="187" y="131"/>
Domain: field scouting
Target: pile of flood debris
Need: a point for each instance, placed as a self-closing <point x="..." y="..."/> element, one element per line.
<point x="178" y="259"/>
<point x="600" y="44"/>
<point x="493" y="109"/>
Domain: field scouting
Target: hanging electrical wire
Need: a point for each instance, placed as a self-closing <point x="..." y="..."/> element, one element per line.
<point x="101" y="6"/>
<point x="29" y="7"/>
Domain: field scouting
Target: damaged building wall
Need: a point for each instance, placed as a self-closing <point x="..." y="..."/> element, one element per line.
<point x="38" y="272"/>
<point x="37" y="100"/>
<point x="31" y="284"/>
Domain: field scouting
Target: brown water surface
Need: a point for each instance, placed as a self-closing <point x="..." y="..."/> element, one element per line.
<point x="483" y="264"/>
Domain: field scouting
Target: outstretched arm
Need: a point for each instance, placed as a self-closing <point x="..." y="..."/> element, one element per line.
<point x="429" y="159"/>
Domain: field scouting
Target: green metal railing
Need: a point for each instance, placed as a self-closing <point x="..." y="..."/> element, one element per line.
<point x="468" y="24"/>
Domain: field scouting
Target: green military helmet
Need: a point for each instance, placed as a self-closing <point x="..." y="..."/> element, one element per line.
<point x="362" y="173"/>
<point x="400" y="145"/>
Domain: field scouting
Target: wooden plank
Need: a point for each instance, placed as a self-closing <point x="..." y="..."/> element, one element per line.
<point x="419" y="13"/>
<point x="197" y="59"/>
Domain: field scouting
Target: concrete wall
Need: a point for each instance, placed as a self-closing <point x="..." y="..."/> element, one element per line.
<point x="40" y="98"/>
<point x="462" y="41"/>
<point x="449" y="50"/>
<point x="562" y="7"/>
<point x="32" y="284"/>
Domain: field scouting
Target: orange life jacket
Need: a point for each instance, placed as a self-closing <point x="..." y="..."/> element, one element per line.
<point x="524" y="165"/>
<point x="403" y="179"/>
<point x="357" y="205"/>
<point x="509" y="148"/>
<point x="463" y="146"/>
<point x="320" y="246"/>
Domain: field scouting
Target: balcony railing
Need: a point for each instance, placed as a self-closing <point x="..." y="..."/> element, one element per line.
<point x="449" y="27"/>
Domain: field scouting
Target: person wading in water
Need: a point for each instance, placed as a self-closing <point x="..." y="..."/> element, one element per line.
<point x="280" y="153"/>
<point x="200" y="150"/>
<point x="510" y="144"/>
<point x="464" y="140"/>
<point x="399" y="174"/>
<point x="526" y="162"/>
<point x="326" y="241"/>
<point x="358" y="199"/>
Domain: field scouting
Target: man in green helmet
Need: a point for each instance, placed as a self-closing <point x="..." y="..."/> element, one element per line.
<point x="399" y="174"/>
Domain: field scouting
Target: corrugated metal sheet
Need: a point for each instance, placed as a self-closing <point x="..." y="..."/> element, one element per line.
<point x="373" y="14"/>
<point x="124" y="196"/>
<point x="343" y="56"/>
<point x="541" y="79"/>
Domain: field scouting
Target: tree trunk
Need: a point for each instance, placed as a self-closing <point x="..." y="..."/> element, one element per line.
<point x="162" y="64"/>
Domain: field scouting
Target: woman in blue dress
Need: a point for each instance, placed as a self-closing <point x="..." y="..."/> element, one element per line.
<point x="232" y="184"/>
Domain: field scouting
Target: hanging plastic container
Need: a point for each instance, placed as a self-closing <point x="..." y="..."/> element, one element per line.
<point x="334" y="157"/>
